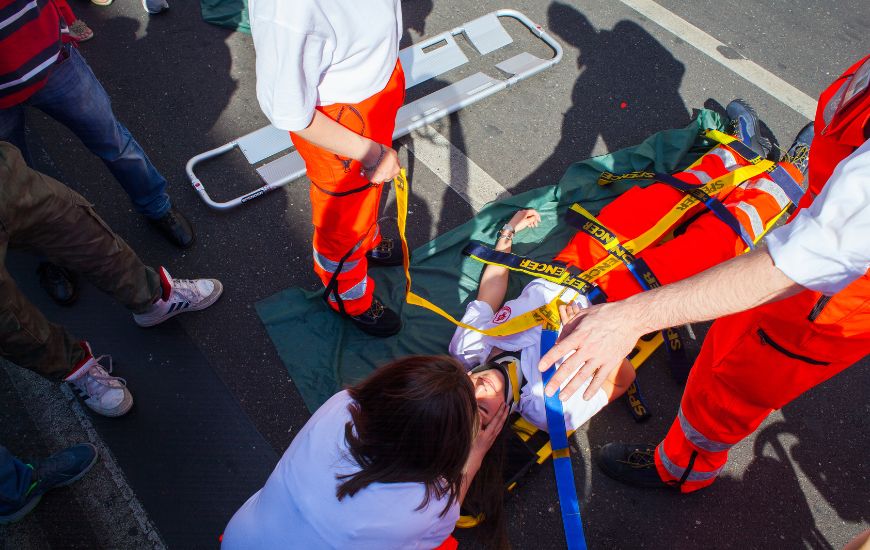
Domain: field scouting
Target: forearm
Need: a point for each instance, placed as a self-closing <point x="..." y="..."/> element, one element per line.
<point x="737" y="285"/>
<point x="494" y="280"/>
<point x="470" y="471"/>
<point x="328" y="134"/>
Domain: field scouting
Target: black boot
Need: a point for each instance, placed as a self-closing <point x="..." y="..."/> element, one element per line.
<point x="175" y="227"/>
<point x="746" y="128"/>
<point x="799" y="152"/>
<point x="387" y="253"/>
<point x="632" y="464"/>
<point x="378" y="320"/>
<point x="58" y="282"/>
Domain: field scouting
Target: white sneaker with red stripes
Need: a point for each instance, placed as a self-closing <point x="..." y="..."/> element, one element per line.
<point x="179" y="296"/>
<point x="102" y="393"/>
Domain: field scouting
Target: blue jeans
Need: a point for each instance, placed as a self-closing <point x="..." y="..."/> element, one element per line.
<point x="73" y="96"/>
<point x="14" y="481"/>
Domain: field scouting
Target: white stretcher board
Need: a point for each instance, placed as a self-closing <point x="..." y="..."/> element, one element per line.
<point x="420" y="62"/>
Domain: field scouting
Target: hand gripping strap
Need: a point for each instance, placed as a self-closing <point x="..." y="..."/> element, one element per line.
<point x="562" y="456"/>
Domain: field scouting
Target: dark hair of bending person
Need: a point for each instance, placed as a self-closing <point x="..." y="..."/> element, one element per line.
<point x="413" y="420"/>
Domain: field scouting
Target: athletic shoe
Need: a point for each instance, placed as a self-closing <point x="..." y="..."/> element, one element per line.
<point x="631" y="464"/>
<point x="175" y="228"/>
<point x="59" y="470"/>
<point x="387" y="253"/>
<point x="799" y="152"/>
<point x="378" y="320"/>
<point x="155" y="6"/>
<point x="179" y="296"/>
<point x="745" y="127"/>
<point x="104" y="394"/>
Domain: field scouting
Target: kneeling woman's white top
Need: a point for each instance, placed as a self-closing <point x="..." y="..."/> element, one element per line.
<point x="297" y="508"/>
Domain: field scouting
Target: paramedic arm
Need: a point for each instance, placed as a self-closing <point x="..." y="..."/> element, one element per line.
<point x="335" y="138"/>
<point x="494" y="281"/>
<point x="823" y="249"/>
<point x="482" y="443"/>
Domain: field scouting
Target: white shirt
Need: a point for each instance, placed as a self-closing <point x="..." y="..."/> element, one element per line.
<point x="297" y="508"/>
<point x="320" y="52"/>
<point x="827" y="246"/>
<point x="473" y="348"/>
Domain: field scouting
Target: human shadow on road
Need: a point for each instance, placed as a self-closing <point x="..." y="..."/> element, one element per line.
<point x="628" y="88"/>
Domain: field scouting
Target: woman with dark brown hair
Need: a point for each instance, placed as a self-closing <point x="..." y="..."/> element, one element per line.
<point x="383" y="464"/>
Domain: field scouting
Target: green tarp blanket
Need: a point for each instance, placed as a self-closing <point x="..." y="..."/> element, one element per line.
<point x="324" y="353"/>
<point x="232" y="14"/>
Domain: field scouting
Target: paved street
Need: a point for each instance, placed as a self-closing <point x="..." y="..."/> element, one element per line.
<point x="215" y="407"/>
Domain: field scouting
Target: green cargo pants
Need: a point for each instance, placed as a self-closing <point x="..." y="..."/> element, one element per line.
<point x="40" y="213"/>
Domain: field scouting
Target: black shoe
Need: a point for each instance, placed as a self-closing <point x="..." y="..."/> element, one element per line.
<point x="59" y="470"/>
<point x="175" y="227"/>
<point x="799" y="152"/>
<point x="632" y="464"/>
<point x="387" y="253"/>
<point x="58" y="282"/>
<point x="378" y="320"/>
<point x="746" y="128"/>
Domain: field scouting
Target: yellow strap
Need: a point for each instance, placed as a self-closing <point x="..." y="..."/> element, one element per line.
<point x="515" y="381"/>
<point x="548" y="314"/>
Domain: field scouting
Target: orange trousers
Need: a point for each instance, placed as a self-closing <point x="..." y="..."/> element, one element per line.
<point x="705" y="242"/>
<point x="344" y="205"/>
<point x="750" y="364"/>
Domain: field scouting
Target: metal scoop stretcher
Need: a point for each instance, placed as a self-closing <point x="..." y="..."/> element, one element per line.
<point x="422" y="61"/>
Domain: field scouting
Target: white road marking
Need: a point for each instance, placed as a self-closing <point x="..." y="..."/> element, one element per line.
<point x="764" y="79"/>
<point x="455" y="169"/>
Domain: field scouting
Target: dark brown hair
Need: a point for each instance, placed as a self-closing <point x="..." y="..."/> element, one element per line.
<point x="486" y="493"/>
<point x="413" y="420"/>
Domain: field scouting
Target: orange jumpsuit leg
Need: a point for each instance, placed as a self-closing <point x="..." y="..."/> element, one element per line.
<point x="751" y="364"/>
<point x="344" y="208"/>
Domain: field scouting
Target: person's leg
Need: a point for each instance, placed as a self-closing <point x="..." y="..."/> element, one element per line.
<point x="15" y="479"/>
<point x="344" y="204"/>
<point x="43" y="214"/>
<point x="741" y="376"/>
<point x="12" y="130"/>
<point x="73" y="96"/>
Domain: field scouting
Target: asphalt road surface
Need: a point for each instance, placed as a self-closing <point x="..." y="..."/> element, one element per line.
<point x="215" y="408"/>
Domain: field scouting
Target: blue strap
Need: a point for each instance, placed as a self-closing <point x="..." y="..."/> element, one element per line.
<point x="562" y="464"/>
<point x="712" y="203"/>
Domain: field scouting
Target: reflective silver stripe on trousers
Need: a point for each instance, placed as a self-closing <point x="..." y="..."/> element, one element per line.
<point x="697" y="439"/>
<point x="726" y="156"/>
<point x="771" y="188"/>
<point x="754" y="218"/>
<point x="703" y="177"/>
<point x="355" y="292"/>
<point x="329" y="266"/>
<point x="678" y="472"/>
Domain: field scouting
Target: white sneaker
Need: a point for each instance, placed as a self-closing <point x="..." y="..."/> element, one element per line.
<point x="104" y="394"/>
<point x="179" y="296"/>
<point x="155" y="6"/>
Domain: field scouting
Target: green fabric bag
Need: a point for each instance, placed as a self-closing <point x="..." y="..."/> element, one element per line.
<point x="324" y="353"/>
<point x="232" y="14"/>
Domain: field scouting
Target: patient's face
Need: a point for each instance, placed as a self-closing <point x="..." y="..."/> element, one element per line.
<point x="489" y="392"/>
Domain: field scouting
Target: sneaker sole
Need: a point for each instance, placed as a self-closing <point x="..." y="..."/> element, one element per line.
<point x="208" y="301"/>
<point x="83" y="472"/>
<point x="19" y="514"/>
<point x="123" y="407"/>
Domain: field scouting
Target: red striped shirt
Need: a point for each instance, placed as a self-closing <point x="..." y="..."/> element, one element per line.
<point x="31" y="35"/>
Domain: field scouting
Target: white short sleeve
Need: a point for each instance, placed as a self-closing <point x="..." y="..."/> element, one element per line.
<point x="469" y="347"/>
<point x="825" y="247"/>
